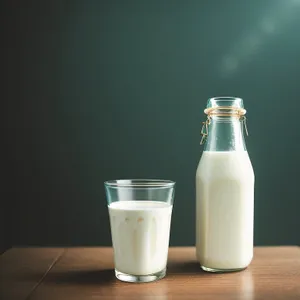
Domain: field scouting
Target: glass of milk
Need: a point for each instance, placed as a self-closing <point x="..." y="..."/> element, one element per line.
<point x="140" y="213"/>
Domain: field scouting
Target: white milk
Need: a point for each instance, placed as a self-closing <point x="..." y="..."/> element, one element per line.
<point x="140" y="235"/>
<point x="224" y="208"/>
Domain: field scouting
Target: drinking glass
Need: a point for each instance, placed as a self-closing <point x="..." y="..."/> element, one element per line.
<point x="140" y="213"/>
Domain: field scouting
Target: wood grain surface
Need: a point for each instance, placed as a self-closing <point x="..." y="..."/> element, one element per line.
<point x="87" y="273"/>
<point x="21" y="270"/>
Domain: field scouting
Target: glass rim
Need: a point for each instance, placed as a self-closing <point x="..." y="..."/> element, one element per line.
<point x="139" y="183"/>
<point x="228" y="102"/>
<point x="226" y="98"/>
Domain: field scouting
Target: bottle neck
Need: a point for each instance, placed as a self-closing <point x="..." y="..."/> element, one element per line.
<point x="225" y="134"/>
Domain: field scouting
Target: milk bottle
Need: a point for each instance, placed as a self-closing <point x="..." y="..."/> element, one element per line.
<point x="224" y="190"/>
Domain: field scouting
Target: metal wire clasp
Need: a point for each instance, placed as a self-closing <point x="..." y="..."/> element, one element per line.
<point x="245" y="124"/>
<point x="204" y="130"/>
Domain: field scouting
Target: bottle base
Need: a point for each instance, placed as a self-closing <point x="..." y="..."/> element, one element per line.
<point x="140" y="278"/>
<point x="214" y="270"/>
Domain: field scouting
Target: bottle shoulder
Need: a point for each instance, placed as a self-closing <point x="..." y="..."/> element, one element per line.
<point x="233" y="164"/>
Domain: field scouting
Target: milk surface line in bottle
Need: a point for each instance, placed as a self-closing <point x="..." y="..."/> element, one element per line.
<point x="224" y="189"/>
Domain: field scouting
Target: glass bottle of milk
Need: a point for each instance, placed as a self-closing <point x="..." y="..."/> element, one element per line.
<point x="224" y="189"/>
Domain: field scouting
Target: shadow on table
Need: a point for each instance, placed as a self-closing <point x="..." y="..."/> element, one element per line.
<point x="190" y="267"/>
<point x="107" y="276"/>
<point x="80" y="277"/>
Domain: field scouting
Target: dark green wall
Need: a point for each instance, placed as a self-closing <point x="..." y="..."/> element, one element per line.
<point x="98" y="90"/>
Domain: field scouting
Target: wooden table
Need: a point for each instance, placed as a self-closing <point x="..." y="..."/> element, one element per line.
<point x="87" y="273"/>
